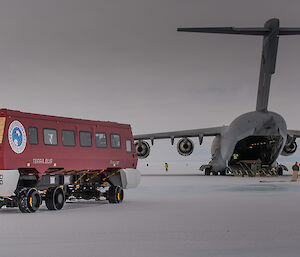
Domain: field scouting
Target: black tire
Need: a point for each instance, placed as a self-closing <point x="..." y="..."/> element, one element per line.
<point x="207" y="172"/>
<point x="223" y="173"/>
<point x="215" y="173"/>
<point x="55" y="198"/>
<point x="280" y="171"/>
<point x="115" y="194"/>
<point x="29" y="200"/>
<point x="120" y="195"/>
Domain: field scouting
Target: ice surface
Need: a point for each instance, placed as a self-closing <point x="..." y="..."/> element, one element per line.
<point x="166" y="216"/>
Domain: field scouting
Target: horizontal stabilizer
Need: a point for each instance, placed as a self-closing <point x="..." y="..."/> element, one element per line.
<point x="241" y="31"/>
<point x="289" y="31"/>
<point x="228" y="30"/>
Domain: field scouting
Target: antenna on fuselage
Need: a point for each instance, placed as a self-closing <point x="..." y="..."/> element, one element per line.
<point x="271" y="32"/>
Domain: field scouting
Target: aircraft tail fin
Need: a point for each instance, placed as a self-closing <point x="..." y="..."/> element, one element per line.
<point x="271" y="32"/>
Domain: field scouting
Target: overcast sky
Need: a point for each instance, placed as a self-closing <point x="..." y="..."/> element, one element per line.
<point x="122" y="60"/>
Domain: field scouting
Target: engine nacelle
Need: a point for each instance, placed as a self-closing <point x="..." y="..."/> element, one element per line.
<point x="142" y="149"/>
<point x="289" y="149"/>
<point x="185" y="146"/>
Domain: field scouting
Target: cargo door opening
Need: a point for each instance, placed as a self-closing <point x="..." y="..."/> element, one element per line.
<point x="263" y="149"/>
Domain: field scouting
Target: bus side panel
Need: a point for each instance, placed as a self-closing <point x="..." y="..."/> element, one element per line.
<point x="43" y="157"/>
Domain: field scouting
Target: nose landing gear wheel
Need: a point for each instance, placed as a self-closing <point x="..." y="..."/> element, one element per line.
<point x="115" y="194"/>
<point x="55" y="198"/>
<point x="29" y="200"/>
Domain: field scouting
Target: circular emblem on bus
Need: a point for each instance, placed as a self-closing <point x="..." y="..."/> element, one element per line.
<point x="17" y="137"/>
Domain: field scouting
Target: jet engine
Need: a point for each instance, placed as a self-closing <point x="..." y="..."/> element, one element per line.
<point x="142" y="149"/>
<point x="185" y="146"/>
<point x="290" y="147"/>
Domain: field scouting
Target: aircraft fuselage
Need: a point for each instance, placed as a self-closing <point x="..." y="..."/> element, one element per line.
<point x="251" y="136"/>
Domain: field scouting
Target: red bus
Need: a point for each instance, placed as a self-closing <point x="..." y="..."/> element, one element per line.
<point x="49" y="158"/>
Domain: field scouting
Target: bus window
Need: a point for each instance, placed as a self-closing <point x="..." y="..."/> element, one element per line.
<point x="115" y="141"/>
<point x="85" y="138"/>
<point x="128" y="146"/>
<point x="68" y="137"/>
<point x="101" y="140"/>
<point x="33" y="135"/>
<point x="50" y="136"/>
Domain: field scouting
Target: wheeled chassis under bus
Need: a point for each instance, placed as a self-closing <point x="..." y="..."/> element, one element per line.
<point x="55" y="188"/>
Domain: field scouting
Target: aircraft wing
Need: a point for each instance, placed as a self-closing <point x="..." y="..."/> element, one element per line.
<point x="214" y="131"/>
<point x="294" y="133"/>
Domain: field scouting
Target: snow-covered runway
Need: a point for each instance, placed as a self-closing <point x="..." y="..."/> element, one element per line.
<point x="166" y="216"/>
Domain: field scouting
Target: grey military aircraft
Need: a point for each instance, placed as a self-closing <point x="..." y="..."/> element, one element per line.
<point x="259" y="135"/>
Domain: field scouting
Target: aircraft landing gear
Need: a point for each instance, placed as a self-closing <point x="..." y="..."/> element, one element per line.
<point x="280" y="171"/>
<point x="207" y="171"/>
<point x="223" y="173"/>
